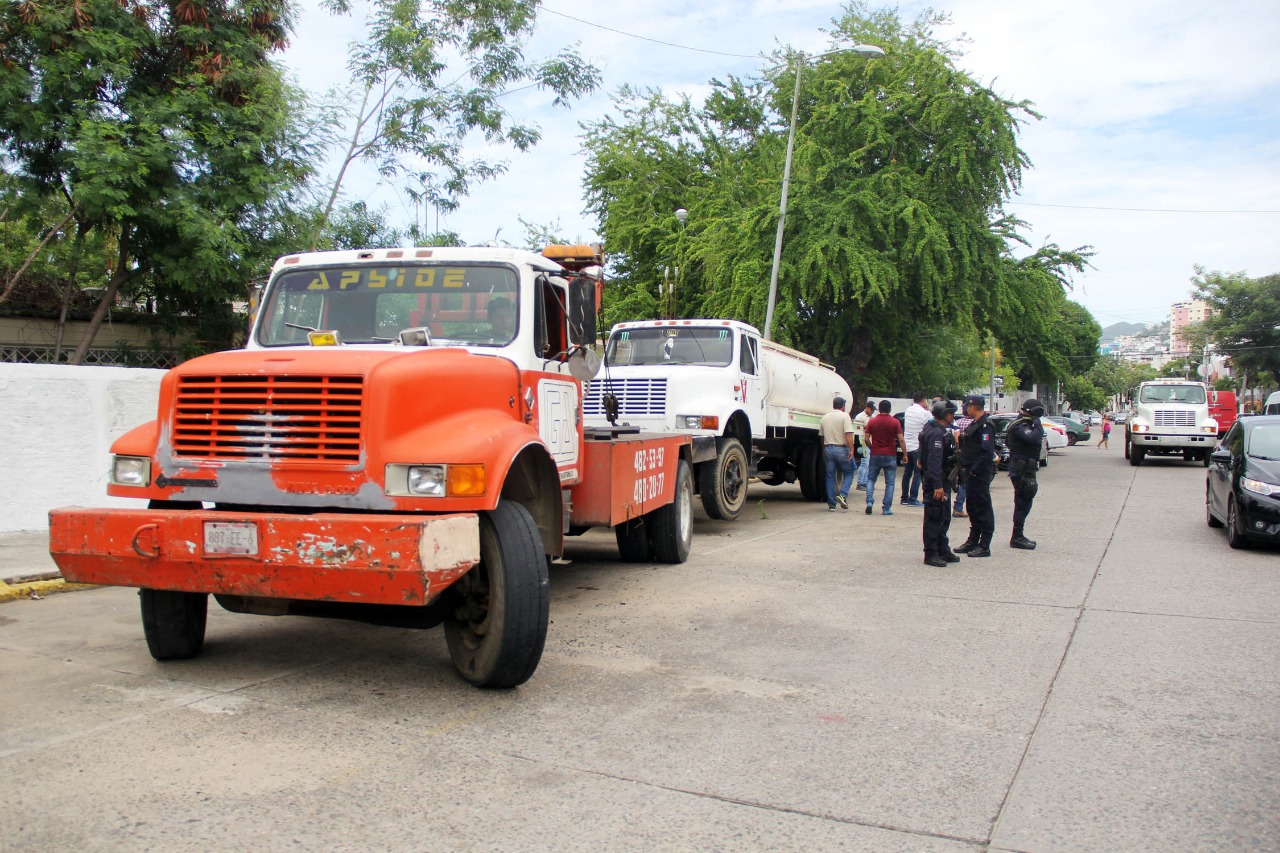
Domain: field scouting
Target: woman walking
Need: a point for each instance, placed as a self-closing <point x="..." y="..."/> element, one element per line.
<point x="1106" y="432"/>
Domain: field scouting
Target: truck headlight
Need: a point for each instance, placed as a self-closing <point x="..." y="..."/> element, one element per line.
<point x="427" y="480"/>
<point x="1209" y="426"/>
<point x="698" y="421"/>
<point x="435" y="481"/>
<point x="131" y="471"/>
<point x="1259" y="488"/>
<point x="1139" y="428"/>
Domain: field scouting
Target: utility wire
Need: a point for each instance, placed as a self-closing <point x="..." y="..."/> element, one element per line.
<point x="1135" y="209"/>
<point x="646" y="38"/>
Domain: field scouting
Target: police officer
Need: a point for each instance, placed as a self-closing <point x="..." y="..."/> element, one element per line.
<point x="977" y="468"/>
<point x="937" y="456"/>
<point x="1025" y="437"/>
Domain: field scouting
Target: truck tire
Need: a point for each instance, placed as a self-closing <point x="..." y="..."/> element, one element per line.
<point x="499" y="626"/>
<point x="1136" y="455"/>
<point x="671" y="526"/>
<point x="812" y="472"/>
<point x="633" y="541"/>
<point x="722" y="482"/>
<point x="1204" y="457"/>
<point x="1126" y="446"/>
<point x="173" y="622"/>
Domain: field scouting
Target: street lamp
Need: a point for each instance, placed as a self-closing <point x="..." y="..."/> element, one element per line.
<point x="682" y="216"/>
<point x="869" y="51"/>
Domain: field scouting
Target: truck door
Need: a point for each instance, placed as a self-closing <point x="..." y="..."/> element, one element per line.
<point x="751" y="383"/>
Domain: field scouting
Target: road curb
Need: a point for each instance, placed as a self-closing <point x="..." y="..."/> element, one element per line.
<point x="37" y="588"/>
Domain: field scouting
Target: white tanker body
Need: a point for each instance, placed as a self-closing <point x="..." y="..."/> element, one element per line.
<point x="752" y="406"/>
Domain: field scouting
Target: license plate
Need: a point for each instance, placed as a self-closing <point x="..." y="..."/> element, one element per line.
<point x="231" y="537"/>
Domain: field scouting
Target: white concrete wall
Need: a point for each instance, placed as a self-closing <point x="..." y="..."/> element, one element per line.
<point x="58" y="424"/>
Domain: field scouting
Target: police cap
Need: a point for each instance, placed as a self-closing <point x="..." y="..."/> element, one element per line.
<point x="975" y="400"/>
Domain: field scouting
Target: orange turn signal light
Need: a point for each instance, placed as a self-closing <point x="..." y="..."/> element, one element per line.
<point x="465" y="480"/>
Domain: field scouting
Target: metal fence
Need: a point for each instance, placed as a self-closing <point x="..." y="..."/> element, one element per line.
<point x="120" y="356"/>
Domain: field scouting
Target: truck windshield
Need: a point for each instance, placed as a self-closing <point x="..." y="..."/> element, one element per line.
<point x="1193" y="394"/>
<point x="670" y="345"/>
<point x="469" y="304"/>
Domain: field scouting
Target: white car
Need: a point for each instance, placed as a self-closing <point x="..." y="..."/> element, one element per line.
<point x="1055" y="433"/>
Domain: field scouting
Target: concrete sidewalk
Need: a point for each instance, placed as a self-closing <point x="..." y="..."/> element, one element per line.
<point x="26" y="569"/>
<point x="24" y="556"/>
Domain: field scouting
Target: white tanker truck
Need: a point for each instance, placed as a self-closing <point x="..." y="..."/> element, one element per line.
<point x="752" y="406"/>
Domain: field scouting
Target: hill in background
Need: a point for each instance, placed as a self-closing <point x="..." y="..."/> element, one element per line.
<point x="1116" y="330"/>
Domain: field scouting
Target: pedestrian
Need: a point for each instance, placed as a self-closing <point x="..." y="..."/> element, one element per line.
<point x="1106" y="432"/>
<point x="837" y="436"/>
<point x="959" y="425"/>
<point x="937" y="458"/>
<point x="1024" y="437"/>
<point x="885" y="434"/>
<point x="917" y="415"/>
<point x="977" y="468"/>
<point x="864" y="448"/>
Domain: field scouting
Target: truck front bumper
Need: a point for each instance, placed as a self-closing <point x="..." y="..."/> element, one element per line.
<point x="1158" y="441"/>
<point x="366" y="558"/>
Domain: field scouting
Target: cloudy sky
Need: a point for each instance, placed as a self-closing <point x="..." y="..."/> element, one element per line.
<point x="1160" y="145"/>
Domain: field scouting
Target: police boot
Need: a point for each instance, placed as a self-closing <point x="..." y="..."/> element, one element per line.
<point x="949" y="556"/>
<point x="965" y="548"/>
<point x="931" y="558"/>
<point x="1020" y="541"/>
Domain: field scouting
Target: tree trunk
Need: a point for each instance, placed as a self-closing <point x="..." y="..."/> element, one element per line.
<point x="81" y="231"/>
<point x="13" y="282"/>
<point x="123" y="274"/>
<point x="854" y="365"/>
<point x="353" y="152"/>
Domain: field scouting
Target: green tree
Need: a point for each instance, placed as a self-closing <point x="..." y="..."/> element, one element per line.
<point x="1082" y="394"/>
<point x="895" y="228"/>
<point x="1245" y="322"/>
<point x="427" y="75"/>
<point x="161" y="129"/>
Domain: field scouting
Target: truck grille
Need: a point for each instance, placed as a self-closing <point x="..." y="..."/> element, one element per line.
<point x="1173" y="418"/>
<point x="635" y="396"/>
<point x="294" y="418"/>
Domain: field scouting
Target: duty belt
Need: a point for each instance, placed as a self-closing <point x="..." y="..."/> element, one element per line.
<point x="1020" y="464"/>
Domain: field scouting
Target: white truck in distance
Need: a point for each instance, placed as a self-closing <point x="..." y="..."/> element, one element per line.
<point x="1170" y="416"/>
<point x="752" y="406"/>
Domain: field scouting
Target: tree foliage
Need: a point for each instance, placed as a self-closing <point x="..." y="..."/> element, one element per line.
<point x="162" y="130"/>
<point x="1245" y="322"/>
<point x="427" y="75"/>
<point x="895" y="236"/>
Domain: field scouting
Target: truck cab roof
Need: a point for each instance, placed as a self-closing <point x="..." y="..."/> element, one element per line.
<point x="471" y="254"/>
<point x="704" y="323"/>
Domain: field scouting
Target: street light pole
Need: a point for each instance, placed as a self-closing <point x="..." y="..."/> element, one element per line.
<point x="864" y="50"/>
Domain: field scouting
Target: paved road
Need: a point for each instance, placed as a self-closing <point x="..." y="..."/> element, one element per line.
<point x="802" y="683"/>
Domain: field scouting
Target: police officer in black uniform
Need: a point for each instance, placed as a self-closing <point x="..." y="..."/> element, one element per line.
<point x="937" y="456"/>
<point x="977" y="468"/>
<point x="1025" y="436"/>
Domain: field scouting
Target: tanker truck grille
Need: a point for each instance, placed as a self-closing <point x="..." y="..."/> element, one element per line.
<point x="292" y="418"/>
<point x="635" y="396"/>
<point x="1173" y="418"/>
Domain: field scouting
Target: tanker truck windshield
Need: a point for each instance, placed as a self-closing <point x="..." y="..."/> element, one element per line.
<point x="670" y="345"/>
<point x="473" y="305"/>
<point x="1193" y="394"/>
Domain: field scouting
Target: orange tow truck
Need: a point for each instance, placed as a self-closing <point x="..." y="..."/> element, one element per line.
<point x="400" y="442"/>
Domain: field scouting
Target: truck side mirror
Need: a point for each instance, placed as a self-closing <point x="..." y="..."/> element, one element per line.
<point x="582" y="312"/>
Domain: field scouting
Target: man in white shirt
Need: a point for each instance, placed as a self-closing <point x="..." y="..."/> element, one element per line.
<point x="859" y="431"/>
<point x="917" y="415"/>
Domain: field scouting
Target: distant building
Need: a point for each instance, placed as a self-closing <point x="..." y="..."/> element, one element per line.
<point x="1181" y="315"/>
